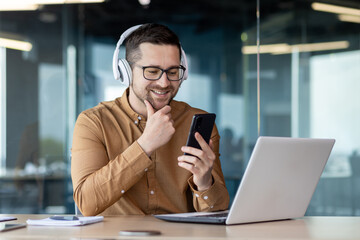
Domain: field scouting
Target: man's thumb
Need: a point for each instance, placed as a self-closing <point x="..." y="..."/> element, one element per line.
<point x="149" y="109"/>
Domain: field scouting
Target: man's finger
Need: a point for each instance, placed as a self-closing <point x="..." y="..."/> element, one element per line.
<point x="192" y="151"/>
<point x="149" y="109"/>
<point x="166" y="109"/>
<point x="188" y="166"/>
<point x="211" y="144"/>
<point x="203" y="144"/>
<point x="191" y="160"/>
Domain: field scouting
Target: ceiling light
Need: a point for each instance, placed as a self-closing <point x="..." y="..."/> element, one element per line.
<point x="14" y="6"/>
<point x="46" y="2"/>
<point x="144" y="2"/>
<point x="15" y="44"/>
<point x="349" y="18"/>
<point x="284" y="48"/>
<point x="270" y="48"/>
<point x="324" y="46"/>
<point x="335" y="9"/>
<point x="22" y="5"/>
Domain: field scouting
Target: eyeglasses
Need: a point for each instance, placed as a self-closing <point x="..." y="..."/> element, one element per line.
<point x="153" y="73"/>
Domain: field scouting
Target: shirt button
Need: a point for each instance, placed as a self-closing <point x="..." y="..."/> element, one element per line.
<point x="122" y="191"/>
<point x="211" y="206"/>
<point x="139" y="117"/>
<point x="152" y="192"/>
<point x="136" y="122"/>
<point x="197" y="195"/>
<point x="146" y="169"/>
<point x="206" y="197"/>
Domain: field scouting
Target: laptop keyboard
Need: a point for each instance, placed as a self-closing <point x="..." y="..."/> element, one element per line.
<point x="215" y="215"/>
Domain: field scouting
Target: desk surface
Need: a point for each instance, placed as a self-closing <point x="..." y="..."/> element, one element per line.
<point x="304" y="228"/>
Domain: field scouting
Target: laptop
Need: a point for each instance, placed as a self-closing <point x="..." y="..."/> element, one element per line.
<point x="278" y="183"/>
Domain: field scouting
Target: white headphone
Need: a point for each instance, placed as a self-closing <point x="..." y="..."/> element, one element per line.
<point x="121" y="68"/>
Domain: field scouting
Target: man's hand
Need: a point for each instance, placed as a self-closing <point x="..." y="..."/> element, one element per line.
<point x="200" y="164"/>
<point x="158" y="130"/>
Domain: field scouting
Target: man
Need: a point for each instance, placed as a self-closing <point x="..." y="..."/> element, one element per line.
<point x="128" y="154"/>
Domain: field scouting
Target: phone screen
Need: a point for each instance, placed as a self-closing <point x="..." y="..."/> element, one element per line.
<point x="203" y="124"/>
<point x="10" y="226"/>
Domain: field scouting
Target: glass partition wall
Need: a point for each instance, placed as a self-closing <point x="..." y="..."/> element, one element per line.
<point x="307" y="83"/>
<point x="35" y="109"/>
<point x="309" y="79"/>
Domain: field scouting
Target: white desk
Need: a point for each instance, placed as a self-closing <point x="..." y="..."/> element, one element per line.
<point x="304" y="228"/>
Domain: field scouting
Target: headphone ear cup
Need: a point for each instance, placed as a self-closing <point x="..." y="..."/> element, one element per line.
<point x="184" y="63"/>
<point x="121" y="68"/>
<point x="125" y="72"/>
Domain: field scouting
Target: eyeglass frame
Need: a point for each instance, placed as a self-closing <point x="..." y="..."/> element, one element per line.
<point x="162" y="72"/>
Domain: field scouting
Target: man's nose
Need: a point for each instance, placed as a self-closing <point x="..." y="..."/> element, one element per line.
<point x="163" y="81"/>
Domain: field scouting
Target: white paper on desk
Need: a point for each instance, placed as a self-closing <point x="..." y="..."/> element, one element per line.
<point x="64" y="223"/>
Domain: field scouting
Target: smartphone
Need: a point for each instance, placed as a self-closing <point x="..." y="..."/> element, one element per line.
<point x="203" y="124"/>
<point x="10" y="226"/>
<point x="139" y="233"/>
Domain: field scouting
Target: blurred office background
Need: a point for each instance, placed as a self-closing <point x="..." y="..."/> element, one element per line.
<point x="56" y="60"/>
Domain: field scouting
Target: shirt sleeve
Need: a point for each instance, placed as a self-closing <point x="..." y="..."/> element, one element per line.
<point x="98" y="181"/>
<point x="215" y="198"/>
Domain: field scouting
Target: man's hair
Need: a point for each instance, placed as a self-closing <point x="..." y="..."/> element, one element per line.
<point x="149" y="33"/>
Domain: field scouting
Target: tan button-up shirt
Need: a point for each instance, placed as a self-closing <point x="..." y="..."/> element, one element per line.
<point x="112" y="175"/>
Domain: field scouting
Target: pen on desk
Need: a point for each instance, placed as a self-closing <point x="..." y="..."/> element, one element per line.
<point x="64" y="218"/>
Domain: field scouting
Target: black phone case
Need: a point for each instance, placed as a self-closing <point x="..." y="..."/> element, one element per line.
<point x="203" y="124"/>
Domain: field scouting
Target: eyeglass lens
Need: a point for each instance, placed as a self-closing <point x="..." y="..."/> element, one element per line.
<point x="155" y="73"/>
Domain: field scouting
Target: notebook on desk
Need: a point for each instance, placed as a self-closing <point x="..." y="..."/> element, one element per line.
<point x="278" y="183"/>
<point x="64" y="221"/>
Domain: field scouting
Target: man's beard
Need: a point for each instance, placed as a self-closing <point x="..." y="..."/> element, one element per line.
<point x="152" y="102"/>
<point x="150" y="99"/>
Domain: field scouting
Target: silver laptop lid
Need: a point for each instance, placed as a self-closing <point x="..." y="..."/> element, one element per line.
<point x="280" y="179"/>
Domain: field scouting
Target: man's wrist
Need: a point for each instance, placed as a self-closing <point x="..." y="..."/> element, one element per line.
<point x="205" y="187"/>
<point x="144" y="147"/>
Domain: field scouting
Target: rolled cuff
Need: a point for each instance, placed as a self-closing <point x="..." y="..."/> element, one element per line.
<point x="215" y="198"/>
